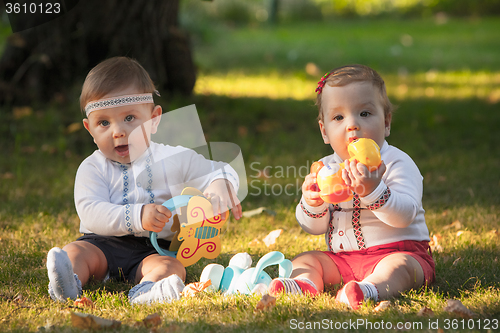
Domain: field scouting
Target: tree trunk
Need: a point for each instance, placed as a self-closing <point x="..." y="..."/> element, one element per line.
<point x="47" y="60"/>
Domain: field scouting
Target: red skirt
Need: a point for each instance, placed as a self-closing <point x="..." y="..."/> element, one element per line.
<point x="357" y="265"/>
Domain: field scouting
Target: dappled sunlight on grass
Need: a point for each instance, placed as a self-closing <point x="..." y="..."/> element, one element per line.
<point x="274" y="85"/>
<point x="447" y="85"/>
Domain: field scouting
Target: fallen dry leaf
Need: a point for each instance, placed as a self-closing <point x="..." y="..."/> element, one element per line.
<point x="22" y="111"/>
<point x="260" y="210"/>
<point x="87" y="321"/>
<point x="8" y="175"/>
<point x="493" y="232"/>
<point x="153" y="320"/>
<point x="193" y="288"/>
<point x="28" y="149"/>
<point x="74" y="127"/>
<point x="270" y="239"/>
<point x="263" y="174"/>
<point x="382" y="306"/>
<point x="425" y="312"/>
<point x="455" y="224"/>
<point x="455" y="306"/>
<point x="253" y="212"/>
<point x="19" y="299"/>
<point x="267" y="301"/>
<point x="83" y="302"/>
<point x="313" y="69"/>
<point x="434" y="243"/>
<point x="456" y="261"/>
<point x="254" y="242"/>
<point x="242" y="131"/>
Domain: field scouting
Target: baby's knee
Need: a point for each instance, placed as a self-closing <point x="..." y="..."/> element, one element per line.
<point x="73" y="247"/>
<point x="174" y="266"/>
<point x="310" y="257"/>
<point x="403" y="265"/>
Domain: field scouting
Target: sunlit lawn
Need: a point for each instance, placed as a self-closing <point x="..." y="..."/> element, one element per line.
<point x="448" y="85"/>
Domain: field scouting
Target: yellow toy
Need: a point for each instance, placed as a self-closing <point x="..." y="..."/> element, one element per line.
<point x="197" y="228"/>
<point x="329" y="177"/>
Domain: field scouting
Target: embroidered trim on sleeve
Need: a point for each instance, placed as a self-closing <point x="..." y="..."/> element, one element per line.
<point x="381" y="201"/>
<point x="313" y="215"/>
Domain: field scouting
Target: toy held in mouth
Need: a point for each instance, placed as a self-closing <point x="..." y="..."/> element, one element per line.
<point x="329" y="177"/>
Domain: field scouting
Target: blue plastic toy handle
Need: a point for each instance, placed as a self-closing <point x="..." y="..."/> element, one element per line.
<point x="177" y="202"/>
<point x="172" y="204"/>
<point x="272" y="258"/>
<point x="285" y="268"/>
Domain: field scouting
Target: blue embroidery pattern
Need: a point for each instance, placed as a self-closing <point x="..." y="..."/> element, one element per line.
<point x="128" y="218"/>
<point x="224" y="176"/>
<point x="150" y="180"/>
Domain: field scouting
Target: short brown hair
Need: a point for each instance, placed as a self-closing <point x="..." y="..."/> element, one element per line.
<point x="114" y="74"/>
<point x="345" y="75"/>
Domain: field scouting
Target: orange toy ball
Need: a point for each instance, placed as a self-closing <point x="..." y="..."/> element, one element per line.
<point x="332" y="186"/>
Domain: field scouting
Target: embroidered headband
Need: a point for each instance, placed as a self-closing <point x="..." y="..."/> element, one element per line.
<point x="321" y="83"/>
<point x="113" y="102"/>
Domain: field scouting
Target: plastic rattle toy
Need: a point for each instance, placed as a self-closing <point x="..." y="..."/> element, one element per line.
<point x="199" y="236"/>
<point x="238" y="277"/>
<point x="329" y="177"/>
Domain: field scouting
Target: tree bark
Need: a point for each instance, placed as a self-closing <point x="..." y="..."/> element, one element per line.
<point x="47" y="60"/>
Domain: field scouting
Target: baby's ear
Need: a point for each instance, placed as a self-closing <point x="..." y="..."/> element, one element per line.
<point x="323" y="132"/>
<point x="155" y="118"/>
<point x="388" y="119"/>
<point x="86" y="124"/>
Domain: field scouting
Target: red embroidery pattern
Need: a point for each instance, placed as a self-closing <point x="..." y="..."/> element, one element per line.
<point x="313" y="215"/>
<point x="381" y="201"/>
<point x="331" y="229"/>
<point x="355" y="222"/>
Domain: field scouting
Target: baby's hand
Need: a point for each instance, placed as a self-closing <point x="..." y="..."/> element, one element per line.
<point x="154" y="217"/>
<point x="310" y="191"/>
<point x="360" y="179"/>
<point x="223" y="196"/>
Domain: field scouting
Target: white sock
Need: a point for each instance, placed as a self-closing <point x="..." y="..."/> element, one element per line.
<point x="165" y="290"/>
<point x="63" y="282"/>
<point x="369" y="290"/>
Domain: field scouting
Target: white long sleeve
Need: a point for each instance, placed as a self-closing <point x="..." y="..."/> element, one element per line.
<point x="109" y="196"/>
<point x="400" y="217"/>
<point x="313" y="226"/>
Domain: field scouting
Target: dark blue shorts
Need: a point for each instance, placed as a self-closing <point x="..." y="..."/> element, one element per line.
<point x="124" y="254"/>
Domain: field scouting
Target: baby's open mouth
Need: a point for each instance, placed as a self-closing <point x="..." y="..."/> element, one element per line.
<point x="351" y="139"/>
<point x="122" y="150"/>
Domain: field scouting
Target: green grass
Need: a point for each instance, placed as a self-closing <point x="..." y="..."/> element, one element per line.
<point x="450" y="131"/>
